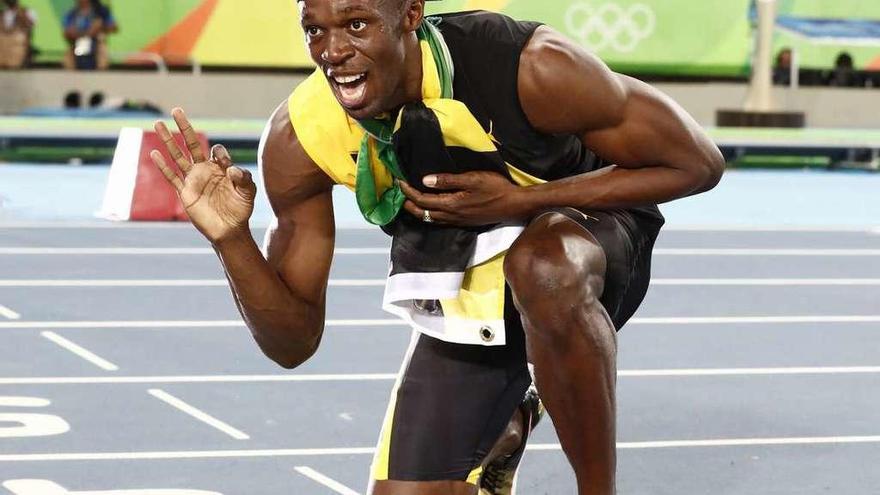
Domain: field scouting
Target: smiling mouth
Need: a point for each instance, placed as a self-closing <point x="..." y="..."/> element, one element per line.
<point x="351" y="89"/>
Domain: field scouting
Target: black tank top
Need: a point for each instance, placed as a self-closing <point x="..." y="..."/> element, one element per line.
<point x="486" y="49"/>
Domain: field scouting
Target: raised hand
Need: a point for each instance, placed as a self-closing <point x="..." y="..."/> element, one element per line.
<point x="217" y="195"/>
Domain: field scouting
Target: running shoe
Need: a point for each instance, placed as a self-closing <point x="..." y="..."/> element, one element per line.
<point x="499" y="477"/>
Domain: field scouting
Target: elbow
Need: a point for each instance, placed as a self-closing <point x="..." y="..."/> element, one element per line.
<point x="290" y="361"/>
<point x="290" y="357"/>
<point x="710" y="172"/>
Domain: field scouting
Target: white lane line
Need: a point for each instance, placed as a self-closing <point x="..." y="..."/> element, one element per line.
<point x="154" y="324"/>
<point x="368" y="377"/>
<point x="324" y="480"/>
<point x="764" y="252"/>
<point x="769" y="228"/>
<point x="161" y="283"/>
<point x="235" y="454"/>
<point x="802" y="370"/>
<point x="380" y="282"/>
<point x="198" y="414"/>
<point x="384" y="251"/>
<point x="8" y="313"/>
<point x="721" y="320"/>
<point x="87" y="380"/>
<point x="148" y="251"/>
<point x="80" y="351"/>
<point x="770" y="282"/>
<point x="393" y="322"/>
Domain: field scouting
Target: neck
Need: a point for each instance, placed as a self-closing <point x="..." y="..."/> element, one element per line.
<point x="413" y="79"/>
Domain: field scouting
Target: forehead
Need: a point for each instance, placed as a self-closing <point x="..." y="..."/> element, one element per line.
<point x="310" y="8"/>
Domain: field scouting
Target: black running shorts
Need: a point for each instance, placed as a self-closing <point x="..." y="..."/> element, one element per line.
<point x="451" y="401"/>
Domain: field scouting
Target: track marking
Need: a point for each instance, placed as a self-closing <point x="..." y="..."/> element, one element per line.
<point x="149" y="251"/>
<point x="380" y="282"/>
<point x="384" y="251"/>
<point x="782" y="229"/>
<point x="234" y="454"/>
<point x="133" y="324"/>
<point x="161" y="283"/>
<point x="764" y="252"/>
<point x="366" y="377"/>
<point x="86" y="380"/>
<point x="324" y="480"/>
<point x="8" y="313"/>
<point x="770" y="282"/>
<point x="394" y="322"/>
<point x="80" y="351"/>
<point x="719" y="320"/>
<point x="198" y="414"/>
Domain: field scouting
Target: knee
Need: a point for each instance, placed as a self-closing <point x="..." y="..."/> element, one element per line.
<point x="557" y="262"/>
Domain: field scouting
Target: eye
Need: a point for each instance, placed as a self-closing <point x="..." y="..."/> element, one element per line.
<point x="358" y="25"/>
<point x="313" y="31"/>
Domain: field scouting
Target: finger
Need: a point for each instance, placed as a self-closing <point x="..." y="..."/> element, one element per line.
<point x="171" y="145"/>
<point x="243" y="182"/>
<point x="189" y="135"/>
<point x="431" y="201"/>
<point x="169" y="174"/>
<point x="220" y="156"/>
<point x="448" y="181"/>
<point x="439" y="217"/>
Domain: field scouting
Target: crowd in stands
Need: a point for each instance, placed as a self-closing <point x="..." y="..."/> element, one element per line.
<point x="16" y="29"/>
<point x="86" y="27"/>
<point x="843" y="74"/>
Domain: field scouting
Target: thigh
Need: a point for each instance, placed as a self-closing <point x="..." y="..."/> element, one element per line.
<point x="627" y="238"/>
<point x="450" y="405"/>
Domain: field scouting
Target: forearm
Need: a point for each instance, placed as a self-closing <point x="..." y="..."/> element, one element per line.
<point x="287" y="328"/>
<point x="617" y="187"/>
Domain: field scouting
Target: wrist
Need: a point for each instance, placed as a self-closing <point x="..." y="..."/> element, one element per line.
<point x="531" y="201"/>
<point x="234" y="237"/>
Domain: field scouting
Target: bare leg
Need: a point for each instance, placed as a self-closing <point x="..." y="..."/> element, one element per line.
<point x="556" y="270"/>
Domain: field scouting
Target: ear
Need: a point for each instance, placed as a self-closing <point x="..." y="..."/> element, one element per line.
<point x="413" y="13"/>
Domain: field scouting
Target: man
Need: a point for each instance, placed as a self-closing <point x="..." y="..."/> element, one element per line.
<point x="574" y="275"/>
<point x="16" y="30"/>
<point x="83" y="29"/>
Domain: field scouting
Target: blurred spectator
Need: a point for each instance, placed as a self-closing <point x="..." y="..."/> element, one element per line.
<point x="86" y="27"/>
<point x="16" y="27"/>
<point x="108" y="27"/>
<point x="72" y="100"/>
<point x="782" y="67"/>
<point x="98" y="101"/>
<point x="844" y="73"/>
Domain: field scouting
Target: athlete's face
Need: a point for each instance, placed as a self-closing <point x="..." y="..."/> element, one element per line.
<point x="360" y="46"/>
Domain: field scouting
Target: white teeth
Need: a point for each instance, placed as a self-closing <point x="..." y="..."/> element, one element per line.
<point x="347" y="79"/>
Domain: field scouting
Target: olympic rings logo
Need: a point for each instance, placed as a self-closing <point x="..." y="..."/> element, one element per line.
<point x="610" y="25"/>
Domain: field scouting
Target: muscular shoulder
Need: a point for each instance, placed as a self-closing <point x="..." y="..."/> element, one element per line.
<point x="485" y="27"/>
<point x="290" y="176"/>
<point x="564" y="89"/>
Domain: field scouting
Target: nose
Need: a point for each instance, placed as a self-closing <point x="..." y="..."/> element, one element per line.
<point x="337" y="50"/>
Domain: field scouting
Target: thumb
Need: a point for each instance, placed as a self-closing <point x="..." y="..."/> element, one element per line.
<point x="242" y="181"/>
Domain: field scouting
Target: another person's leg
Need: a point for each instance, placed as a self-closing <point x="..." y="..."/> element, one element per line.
<point x="575" y="280"/>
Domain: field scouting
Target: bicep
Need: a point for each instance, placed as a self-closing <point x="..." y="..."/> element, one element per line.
<point x="652" y="130"/>
<point x="566" y="90"/>
<point x="299" y="244"/>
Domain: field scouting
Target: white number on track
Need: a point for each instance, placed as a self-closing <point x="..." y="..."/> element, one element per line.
<point x="29" y="424"/>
